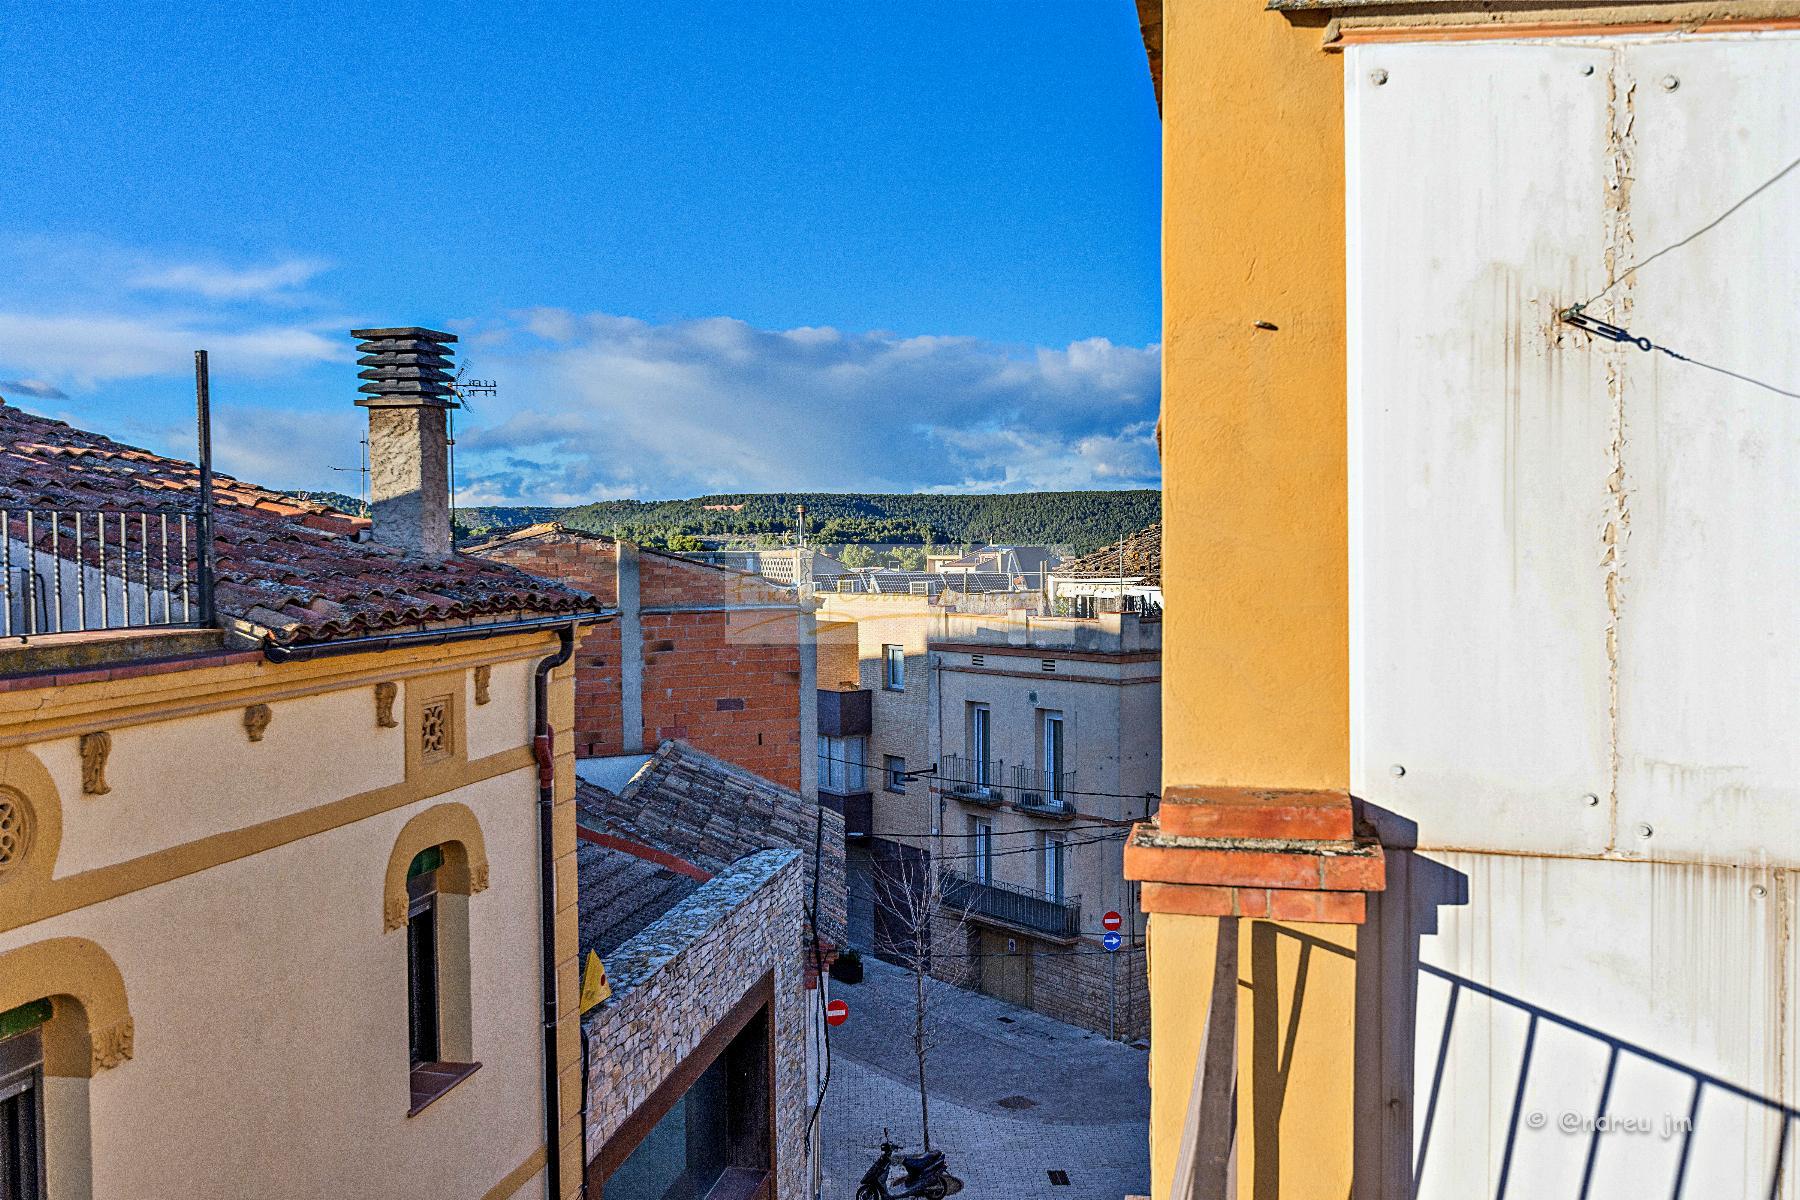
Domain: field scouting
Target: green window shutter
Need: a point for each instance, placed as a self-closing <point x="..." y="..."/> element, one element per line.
<point x="24" y="1017"/>
<point x="428" y="859"/>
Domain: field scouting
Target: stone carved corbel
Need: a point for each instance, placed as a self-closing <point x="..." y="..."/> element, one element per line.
<point x="112" y="1044"/>
<point x="256" y="719"/>
<point x="478" y="878"/>
<point x="94" y="749"/>
<point x="384" y="704"/>
<point x="394" y="914"/>
<point x="484" y="675"/>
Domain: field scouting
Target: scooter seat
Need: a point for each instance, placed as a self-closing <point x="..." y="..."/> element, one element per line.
<point x="917" y="1164"/>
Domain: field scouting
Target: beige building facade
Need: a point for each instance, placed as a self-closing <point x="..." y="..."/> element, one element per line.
<point x="216" y="908"/>
<point x="1007" y="755"/>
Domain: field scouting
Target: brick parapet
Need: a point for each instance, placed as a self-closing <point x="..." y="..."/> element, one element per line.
<point x="1274" y="853"/>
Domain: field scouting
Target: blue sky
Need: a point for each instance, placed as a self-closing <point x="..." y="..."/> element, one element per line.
<point x="716" y="247"/>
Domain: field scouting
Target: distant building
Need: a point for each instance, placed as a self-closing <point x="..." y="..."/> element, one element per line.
<point x="1008" y="753"/>
<point x="717" y="658"/>
<point x="1125" y="576"/>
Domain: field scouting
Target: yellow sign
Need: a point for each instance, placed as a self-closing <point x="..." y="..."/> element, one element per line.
<point x="594" y="987"/>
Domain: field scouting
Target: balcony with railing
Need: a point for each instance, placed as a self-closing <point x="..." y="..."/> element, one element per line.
<point x="79" y="571"/>
<point x="1042" y="793"/>
<point x="991" y="782"/>
<point x="1014" y="907"/>
<point x="980" y="781"/>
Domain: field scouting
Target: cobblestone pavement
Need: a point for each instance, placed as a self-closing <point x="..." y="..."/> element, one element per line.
<point x="1014" y="1095"/>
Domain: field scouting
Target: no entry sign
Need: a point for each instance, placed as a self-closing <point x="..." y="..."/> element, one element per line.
<point x="1111" y="921"/>
<point x="836" y="1013"/>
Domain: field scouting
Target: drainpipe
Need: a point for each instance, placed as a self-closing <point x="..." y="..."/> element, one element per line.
<point x="544" y="743"/>
<point x="543" y="746"/>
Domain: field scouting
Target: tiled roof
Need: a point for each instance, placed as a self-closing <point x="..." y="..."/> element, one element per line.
<point x="620" y="893"/>
<point x="708" y="812"/>
<point x="287" y="569"/>
<point x="1137" y="556"/>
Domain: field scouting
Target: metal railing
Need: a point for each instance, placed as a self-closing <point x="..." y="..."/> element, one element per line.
<point x="1009" y="904"/>
<point x="72" y="570"/>
<point x="1030" y="789"/>
<point x="973" y="778"/>
<point x="1045" y="792"/>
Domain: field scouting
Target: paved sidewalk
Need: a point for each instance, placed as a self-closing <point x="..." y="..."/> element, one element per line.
<point x="1014" y="1095"/>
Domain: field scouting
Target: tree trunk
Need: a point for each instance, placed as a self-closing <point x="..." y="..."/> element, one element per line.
<point x="920" y="1049"/>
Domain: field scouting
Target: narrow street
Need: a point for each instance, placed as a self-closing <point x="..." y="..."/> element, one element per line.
<point x="1014" y="1096"/>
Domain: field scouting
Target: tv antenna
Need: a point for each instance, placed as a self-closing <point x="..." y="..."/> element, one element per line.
<point x="463" y="388"/>
<point x="363" y="472"/>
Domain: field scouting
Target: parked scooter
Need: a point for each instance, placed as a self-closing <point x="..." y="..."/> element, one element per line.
<point x="924" y="1176"/>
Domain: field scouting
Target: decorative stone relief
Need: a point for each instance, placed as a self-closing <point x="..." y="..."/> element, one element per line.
<point x="434" y="729"/>
<point x="484" y="675"/>
<point x="112" y="1045"/>
<point x="384" y="704"/>
<point x="478" y="878"/>
<point x="94" y="749"/>
<point x="394" y="914"/>
<point x="15" y="830"/>
<point x="256" y="719"/>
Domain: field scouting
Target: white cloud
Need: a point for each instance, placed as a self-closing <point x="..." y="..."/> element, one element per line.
<point x="90" y="349"/>
<point x="32" y="387"/>
<point x="218" y="282"/>
<point x="593" y="405"/>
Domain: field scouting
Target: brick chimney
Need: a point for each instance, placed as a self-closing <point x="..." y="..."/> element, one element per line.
<point x="409" y="398"/>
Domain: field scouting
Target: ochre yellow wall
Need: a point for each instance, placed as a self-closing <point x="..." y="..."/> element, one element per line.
<point x="1296" y="1051"/>
<point x="1255" y="538"/>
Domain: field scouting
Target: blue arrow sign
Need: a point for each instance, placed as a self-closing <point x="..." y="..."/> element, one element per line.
<point x="1112" y="941"/>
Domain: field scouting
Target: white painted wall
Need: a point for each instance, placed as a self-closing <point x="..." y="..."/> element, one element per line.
<point x="1515" y="658"/>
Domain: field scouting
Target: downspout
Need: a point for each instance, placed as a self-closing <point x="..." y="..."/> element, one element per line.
<point x="543" y="747"/>
<point x="543" y="742"/>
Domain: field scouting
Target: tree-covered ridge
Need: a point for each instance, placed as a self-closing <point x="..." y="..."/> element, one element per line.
<point x="1081" y="521"/>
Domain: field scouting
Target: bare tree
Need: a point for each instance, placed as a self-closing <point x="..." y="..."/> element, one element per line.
<point x="921" y="910"/>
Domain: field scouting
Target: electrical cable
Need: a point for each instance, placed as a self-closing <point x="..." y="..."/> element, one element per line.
<point x="812" y="921"/>
<point x="1012" y="787"/>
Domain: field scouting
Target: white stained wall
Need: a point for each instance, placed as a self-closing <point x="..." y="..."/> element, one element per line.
<point x="1575" y="592"/>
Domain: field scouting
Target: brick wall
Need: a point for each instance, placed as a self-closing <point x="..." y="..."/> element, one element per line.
<point x="725" y="682"/>
<point x="677" y="979"/>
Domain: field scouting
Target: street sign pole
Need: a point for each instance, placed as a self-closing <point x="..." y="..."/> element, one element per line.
<point x="1112" y="1000"/>
<point x="1112" y="941"/>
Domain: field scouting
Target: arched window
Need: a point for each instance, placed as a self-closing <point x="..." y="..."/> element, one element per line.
<point x="438" y="862"/>
<point x="63" y="1018"/>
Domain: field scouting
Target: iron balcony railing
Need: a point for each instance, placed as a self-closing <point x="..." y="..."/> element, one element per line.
<point x="991" y="781"/>
<point x="1046" y="793"/>
<point x="974" y="778"/>
<point x="1008" y="904"/>
<point x="69" y="570"/>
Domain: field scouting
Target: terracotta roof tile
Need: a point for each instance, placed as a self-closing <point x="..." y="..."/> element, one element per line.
<point x="1141" y="558"/>
<point x="291" y="569"/>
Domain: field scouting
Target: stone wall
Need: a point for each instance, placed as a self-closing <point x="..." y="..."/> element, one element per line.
<point x="1069" y="983"/>
<point x="677" y="979"/>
